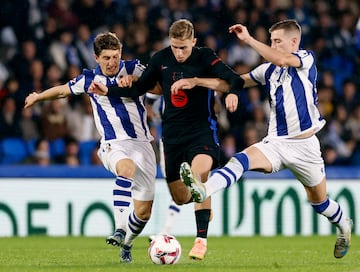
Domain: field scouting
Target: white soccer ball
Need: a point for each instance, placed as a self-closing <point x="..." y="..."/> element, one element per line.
<point x="164" y="249"/>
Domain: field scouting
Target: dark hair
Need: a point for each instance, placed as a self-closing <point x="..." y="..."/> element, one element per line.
<point x="105" y="41"/>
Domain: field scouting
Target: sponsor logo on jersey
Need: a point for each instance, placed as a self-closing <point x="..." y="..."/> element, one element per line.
<point x="180" y="99"/>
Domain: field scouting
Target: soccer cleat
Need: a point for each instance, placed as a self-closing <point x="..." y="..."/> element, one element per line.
<point x="198" y="251"/>
<point x="195" y="186"/>
<point x="125" y="255"/>
<point x="117" y="239"/>
<point x="343" y="241"/>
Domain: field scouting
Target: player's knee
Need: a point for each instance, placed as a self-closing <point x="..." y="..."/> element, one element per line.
<point x="180" y="201"/>
<point x="143" y="213"/>
<point x="125" y="168"/>
<point x="179" y="193"/>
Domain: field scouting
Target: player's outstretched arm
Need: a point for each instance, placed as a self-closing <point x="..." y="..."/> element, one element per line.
<point x="268" y="53"/>
<point x="216" y="84"/>
<point x="56" y="92"/>
<point x="116" y="91"/>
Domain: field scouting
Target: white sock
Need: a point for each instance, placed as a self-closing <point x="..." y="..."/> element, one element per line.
<point x="122" y="200"/>
<point x="172" y="215"/>
<point x="224" y="177"/>
<point x="134" y="227"/>
<point x="333" y="212"/>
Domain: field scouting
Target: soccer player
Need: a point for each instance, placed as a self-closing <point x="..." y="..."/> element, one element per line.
<point x="189" y="125"/>
<point x="289" y="77"/>
<point x="125" y="148"/>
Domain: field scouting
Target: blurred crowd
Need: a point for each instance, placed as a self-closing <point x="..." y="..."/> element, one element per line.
<point x="44" y="43"/>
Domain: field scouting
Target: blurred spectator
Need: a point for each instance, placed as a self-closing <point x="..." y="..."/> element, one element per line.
<point x="41" y="154"/>
<point x="71" y="154"/>
<point x="228" y="146"/>
<point x="53" y="124"/>
<point x="9" y="119"/>
<point x="84" y="45"/>
<point x="353" y="123"/>
<point x="53" y="76"/>
<point x="241" y="52"/>
<point x="63" y="52"/>
<point x="350" y="95"/>
<point x="86" y="13"/>
<point x="61" y="11"/>
<point x="20" y="63"/>
<point x="10" y="88"/>
<point x="326" y="101"/>
<point x="337" y="138"/>
<point x="251" y="135"/>
<point x="81" y="122"/>
<point x="28" y="125"/>
<point x="109" y="12"/>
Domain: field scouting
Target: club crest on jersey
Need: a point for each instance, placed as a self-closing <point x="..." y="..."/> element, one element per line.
<point x="180" y="99"/>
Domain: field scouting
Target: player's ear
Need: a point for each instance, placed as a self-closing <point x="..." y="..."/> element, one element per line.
<point x="194" y="41"/>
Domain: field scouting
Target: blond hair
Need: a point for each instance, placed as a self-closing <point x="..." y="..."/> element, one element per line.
<point x="289" y="25"/>
<point x="181" y="29"/>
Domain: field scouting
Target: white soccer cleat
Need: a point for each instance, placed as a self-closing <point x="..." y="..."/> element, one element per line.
<point x="343" y="241"/>
<point x="194" y="185"/>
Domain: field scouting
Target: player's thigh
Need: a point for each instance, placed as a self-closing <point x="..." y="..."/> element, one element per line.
<point x="201" y="165"/>
<point x="262" y="158"/>
<point x="174" y="156"/>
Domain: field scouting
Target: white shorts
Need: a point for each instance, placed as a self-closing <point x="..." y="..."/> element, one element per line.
<point x="301" y="156"/>
<point x="142" y="154"/>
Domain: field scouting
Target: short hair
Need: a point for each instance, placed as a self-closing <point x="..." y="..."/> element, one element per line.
<point x="181" y="29"/>
<point x="105" y="41"/>
<point x="288" y="25"/>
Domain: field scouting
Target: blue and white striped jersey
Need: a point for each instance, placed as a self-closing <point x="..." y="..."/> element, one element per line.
<point x="116" y="118"/>
<point x="292" y="96"/>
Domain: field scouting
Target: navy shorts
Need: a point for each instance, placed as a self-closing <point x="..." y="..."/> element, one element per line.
<point x="175" y="154"/>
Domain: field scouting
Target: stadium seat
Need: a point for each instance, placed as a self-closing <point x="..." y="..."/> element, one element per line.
<point x="12" y="150"/>
<point x="57" y="147"/>
<point x="30" y="145"/>
<point x="85" y="150"/>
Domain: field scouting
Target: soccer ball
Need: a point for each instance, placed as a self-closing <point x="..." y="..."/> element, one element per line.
<point x="164" y="249"/>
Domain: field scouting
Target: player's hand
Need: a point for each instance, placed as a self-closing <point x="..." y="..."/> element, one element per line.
<point x="241" y="31"/>
<point x="31" y="99"/>
<point x="126" y="81"/>
<point x="98" y="88"/>
<point x="231" y="102"/>
<point x="182" y="84"/>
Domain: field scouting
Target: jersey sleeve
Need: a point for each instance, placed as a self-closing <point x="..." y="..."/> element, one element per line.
<point x="258" y="74"/>
<point x="222" y="70"/>
<point x="147" y="81"/>
<point x="306" y="57"/>
<point x="134" y="67"/>
<point x="80" y="84"/>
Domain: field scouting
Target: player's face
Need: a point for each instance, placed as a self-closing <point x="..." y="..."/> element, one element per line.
<point x="109" y="61"/>
<point x="182" y="48"/>
<point x="282" y="41"/>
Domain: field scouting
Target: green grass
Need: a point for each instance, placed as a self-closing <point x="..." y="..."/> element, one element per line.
<point x="309" y="253"/>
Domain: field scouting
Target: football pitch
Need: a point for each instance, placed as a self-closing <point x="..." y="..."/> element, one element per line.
<point x="296" y="253"/>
